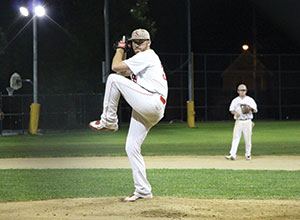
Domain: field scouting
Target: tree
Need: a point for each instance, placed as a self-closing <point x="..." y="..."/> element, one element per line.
<point x="140" y="13"/>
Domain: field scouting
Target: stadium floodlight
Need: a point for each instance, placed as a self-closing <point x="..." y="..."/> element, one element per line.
<point x="245" y="47"/>
<point x="39" y="11"/>
<point x="24" y="11"/>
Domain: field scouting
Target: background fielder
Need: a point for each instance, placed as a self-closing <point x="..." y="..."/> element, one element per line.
<point x="242" y="107"/>
<point x="146" y="93"/>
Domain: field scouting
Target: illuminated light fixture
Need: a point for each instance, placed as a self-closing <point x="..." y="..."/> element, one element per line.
<point x="245" y="47"/>
<point x="39" y="11"/>
<point x="24" y="11"/>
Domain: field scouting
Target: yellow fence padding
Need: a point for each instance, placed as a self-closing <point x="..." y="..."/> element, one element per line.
<point x="34" y="118"/>
<point x="190" y="114"/>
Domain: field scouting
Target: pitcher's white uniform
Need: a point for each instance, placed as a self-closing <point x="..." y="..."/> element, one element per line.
<point x="146" y="93"/>
<point x="243" y="124"/>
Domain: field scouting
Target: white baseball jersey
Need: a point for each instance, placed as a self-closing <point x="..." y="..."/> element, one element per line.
<point x="146" y="93"/>
<point x="236" y="106"/>
<point x="148" y="72"/>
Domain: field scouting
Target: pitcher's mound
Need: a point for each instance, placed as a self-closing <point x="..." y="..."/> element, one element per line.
<point x="156" y="208"/>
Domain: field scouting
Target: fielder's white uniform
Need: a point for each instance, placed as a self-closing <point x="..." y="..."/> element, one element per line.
<point x="243" y="124"/>
<point x="146" y="93"/>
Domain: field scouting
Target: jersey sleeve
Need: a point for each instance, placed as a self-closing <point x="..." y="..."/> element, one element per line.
<point x="253" y="104"/>
<point x="231" y="107"/>
<point x="137" y="63"/>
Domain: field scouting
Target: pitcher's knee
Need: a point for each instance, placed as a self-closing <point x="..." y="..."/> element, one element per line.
<point x="111" y="77"/>
<point x="114" y="76"/>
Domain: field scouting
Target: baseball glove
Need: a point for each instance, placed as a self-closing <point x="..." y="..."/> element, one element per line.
<point x="123" y="43"/>
<point x="246" y="109"/>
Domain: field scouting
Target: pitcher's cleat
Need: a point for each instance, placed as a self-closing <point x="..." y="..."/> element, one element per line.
<point x="98" y="126"/>
<point x="131" y="198"/>
<point x="229" y="157"/>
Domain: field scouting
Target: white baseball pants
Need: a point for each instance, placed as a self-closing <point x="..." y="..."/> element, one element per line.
<point x="147" y="110"/>
<point x="245" y="128"/>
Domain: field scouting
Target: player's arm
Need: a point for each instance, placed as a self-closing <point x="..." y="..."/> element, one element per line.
<point x="117" y="63"/>
<point x="232" y="109"/>
<point x="253" y="106"/>
<point x="235" y="113"/>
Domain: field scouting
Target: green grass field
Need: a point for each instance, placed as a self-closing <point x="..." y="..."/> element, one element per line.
<point x="22" y="185"/>
<point x="213" y="138"/>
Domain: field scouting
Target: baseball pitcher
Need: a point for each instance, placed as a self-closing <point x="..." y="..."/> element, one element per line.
<point x="146" y="93"/>
<point x="242" y="107"/>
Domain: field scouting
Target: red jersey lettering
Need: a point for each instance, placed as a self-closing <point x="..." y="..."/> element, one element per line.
<point x="133" y="78"/>
<point x="163" y="74"/>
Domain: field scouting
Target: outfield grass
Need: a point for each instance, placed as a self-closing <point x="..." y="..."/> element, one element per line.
<point x="24" y="185"/>
<point x="210" y="138"/>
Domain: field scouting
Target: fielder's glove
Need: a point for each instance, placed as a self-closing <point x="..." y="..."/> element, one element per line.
<point x="123" y="43"/>
<point x="246" y="109"/>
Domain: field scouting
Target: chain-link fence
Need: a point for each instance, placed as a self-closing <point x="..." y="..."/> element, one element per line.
<point x="273" y="81"/>
<point x="58" y="112"/>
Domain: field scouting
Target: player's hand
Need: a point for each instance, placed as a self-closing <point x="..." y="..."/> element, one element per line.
<point x="237" y="115"/>
<point x="123" y="44"/>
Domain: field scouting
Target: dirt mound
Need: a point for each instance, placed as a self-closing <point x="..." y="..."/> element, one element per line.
<point x="156" y="208"/>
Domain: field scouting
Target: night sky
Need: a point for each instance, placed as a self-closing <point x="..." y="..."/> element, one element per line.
<point x="73" y="48"/>
<point x="222" y="26"/>
<point x="217" y="25"/>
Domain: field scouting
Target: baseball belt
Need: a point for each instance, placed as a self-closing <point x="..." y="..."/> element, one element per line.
<point x="162" y="99"/>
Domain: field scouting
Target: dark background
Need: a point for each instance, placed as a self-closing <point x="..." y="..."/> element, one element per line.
<point x="71" y="50"/>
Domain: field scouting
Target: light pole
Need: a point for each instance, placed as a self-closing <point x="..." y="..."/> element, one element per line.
<point x="106" y="37"/>
<point x="190" y="102"/>
<point x="38" y="11"/>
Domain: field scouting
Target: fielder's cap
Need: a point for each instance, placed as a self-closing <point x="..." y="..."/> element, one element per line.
<point x="140" y="34"/>
<point x="242" y="87"/>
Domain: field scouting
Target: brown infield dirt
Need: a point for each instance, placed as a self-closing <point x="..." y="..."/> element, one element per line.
<point x="158" y="207"/>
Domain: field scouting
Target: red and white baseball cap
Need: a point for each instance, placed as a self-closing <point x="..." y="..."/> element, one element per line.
<point x="140" y="34"/>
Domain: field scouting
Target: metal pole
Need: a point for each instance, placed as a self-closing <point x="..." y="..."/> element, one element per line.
<point x="189" y="51"/>
<point x="103" y="72"/>
<point x="106" y="36"/>
<point x="35" y="62"/>
<point x="1" y="125"/>
<point x="279" y="88"/>
<point x="205" y="88"/>
<point x="254" y="54"/>
<point x="190" y="102"/>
